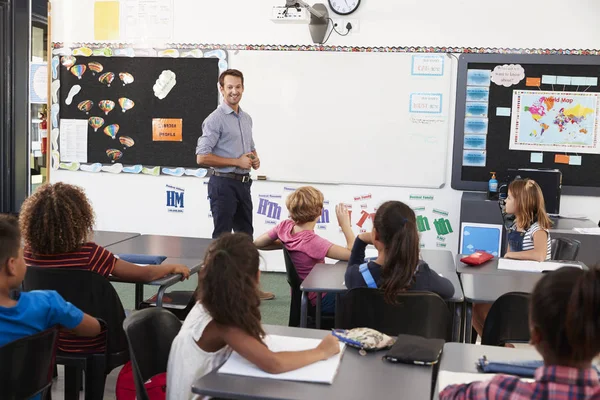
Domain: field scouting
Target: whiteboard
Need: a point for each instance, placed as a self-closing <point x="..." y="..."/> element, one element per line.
<point x="348" y="118"/>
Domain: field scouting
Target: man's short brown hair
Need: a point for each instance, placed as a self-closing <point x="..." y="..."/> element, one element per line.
<point x="231" y="72"/>
<point x="305" y="204"/>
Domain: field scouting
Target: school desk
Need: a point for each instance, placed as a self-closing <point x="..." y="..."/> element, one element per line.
<point x="329" y="278"/>
<point x="485" y="283"/>
<point x="358" y="377"/>
<point x="159" y="245"/>
<point x="194" y="264"/>
<point x="107" y="238"/>
<point x="461" y="357"/>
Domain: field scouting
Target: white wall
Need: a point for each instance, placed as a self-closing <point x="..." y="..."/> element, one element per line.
<point x="138" y="203"/>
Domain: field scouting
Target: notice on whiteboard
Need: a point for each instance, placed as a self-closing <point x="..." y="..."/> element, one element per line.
<point x="73" y="140"/>
<point x="426" y="103"/>
<point x="147" y="20"/>
<point x="431" y="65"/>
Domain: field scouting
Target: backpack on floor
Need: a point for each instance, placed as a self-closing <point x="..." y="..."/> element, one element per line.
<point x="155" y="386"/>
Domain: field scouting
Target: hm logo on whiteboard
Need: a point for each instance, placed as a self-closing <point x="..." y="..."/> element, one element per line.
<point x="175" y="199"/>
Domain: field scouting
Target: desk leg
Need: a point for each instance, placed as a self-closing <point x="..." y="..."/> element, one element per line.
<point x="468" y="326"/>
<point x="139" y="295"/>
<point x="336" y="314"/>
<point x="457" y="322"/>
<point x="303" y="310"/>
<point x="318" y="316"/>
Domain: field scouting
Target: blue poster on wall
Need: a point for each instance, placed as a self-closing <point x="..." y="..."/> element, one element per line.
<point x="486" y="237"/>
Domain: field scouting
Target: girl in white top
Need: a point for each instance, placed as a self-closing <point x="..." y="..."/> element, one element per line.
<point x="528" y="237"/>
<point x="227" y="317"/>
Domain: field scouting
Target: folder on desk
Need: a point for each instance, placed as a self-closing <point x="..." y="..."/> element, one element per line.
<point x="319" y="372"/>
<point x="531" y="266"/>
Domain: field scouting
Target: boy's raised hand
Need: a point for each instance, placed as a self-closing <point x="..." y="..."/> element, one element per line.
<point x="343" y="217"/>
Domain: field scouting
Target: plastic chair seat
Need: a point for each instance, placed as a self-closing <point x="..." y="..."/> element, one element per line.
<point x="423" y="314"/>
<point x="180" y="303"/>
<point x="508" y="320"/>
<point x="93" y="294"/>
<point x="27" y="365"/>
<point x="150" y="333"/>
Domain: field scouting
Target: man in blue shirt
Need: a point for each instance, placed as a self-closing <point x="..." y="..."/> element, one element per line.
<point x="227" y="146"/>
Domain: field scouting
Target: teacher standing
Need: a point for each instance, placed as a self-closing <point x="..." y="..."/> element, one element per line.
<point x="227" y="146"/>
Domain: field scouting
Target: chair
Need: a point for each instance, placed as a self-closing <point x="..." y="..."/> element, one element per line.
<point x="180" y="303"/>
<point x="27" y="364"/>
<point x="508" y="320"/>
<point x="93" y="294"/>
<point x="150" y="333"/>
<point x="565" y="249"/>
<point x="415" y="313"/>
<point x="296" y="304"/>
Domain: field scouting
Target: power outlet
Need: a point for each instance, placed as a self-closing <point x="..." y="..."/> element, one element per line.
<point x="341" y="26"/>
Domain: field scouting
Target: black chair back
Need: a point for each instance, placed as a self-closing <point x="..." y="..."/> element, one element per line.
<point x="150" y="333"/>
<point x="565" y="249"/>
<point x="415" y="313"/>
<point x="27" y="365"/>
<point x="294" y="281"/>
<point x="508" y="320"/>
<point x="90" y="292"/>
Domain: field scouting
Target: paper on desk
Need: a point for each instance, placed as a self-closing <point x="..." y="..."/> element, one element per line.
<point x="447" y="378"/>
<point x="531" y="266"/>
<point x="320" y="372"/>
<point x="371" y="253"/>
<point x="588" y="231"/>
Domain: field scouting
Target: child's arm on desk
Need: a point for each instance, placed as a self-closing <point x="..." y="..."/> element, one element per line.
<point x="264" y="242"/>
<point x="277" y="362"/>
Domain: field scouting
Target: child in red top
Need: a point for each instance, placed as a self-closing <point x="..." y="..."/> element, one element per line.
<point x="57" y="222"/>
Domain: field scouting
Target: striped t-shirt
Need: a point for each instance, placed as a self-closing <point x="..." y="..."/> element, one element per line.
<point x="90" y="257"/>
<point x="528" y="239"/>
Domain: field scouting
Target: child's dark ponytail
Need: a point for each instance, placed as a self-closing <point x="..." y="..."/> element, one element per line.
<point x="396" y="226"/>
<point x="583" y="312"/>
<point x="228" y="285"/>
<point x="565" y="308"/>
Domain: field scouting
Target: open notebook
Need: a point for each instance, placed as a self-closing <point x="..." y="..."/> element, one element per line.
<point x="320" y="372"/>
<point x="532" y="266"/>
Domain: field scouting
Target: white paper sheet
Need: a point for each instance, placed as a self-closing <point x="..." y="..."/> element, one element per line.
<point x="588" y="231"/>
<point x="146" y="20"/>
<point x="320" y="372"/>
<point x="73" y="140"/>
<point x="446" y="378"/>
<point x="531" y="266"/>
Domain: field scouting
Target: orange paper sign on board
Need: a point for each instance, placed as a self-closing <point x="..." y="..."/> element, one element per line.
<point x="167" y="129"/>
<point x="533" y="82"/>
<point x="561" y="159"/>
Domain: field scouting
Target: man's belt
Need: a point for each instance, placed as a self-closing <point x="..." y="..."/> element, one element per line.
<point x="238" y="177"/>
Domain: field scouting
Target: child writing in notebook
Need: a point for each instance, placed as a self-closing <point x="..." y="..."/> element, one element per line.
<point x="565" y="329"/>
<point x="528" y="237"/>
<point x="298" y="236"/>
<point x="227" y="317"/>
<point x="57" y="223"/>
<point x="397" y="267"/>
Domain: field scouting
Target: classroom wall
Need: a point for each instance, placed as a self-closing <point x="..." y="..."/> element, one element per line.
<point x="138" y="202"/>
